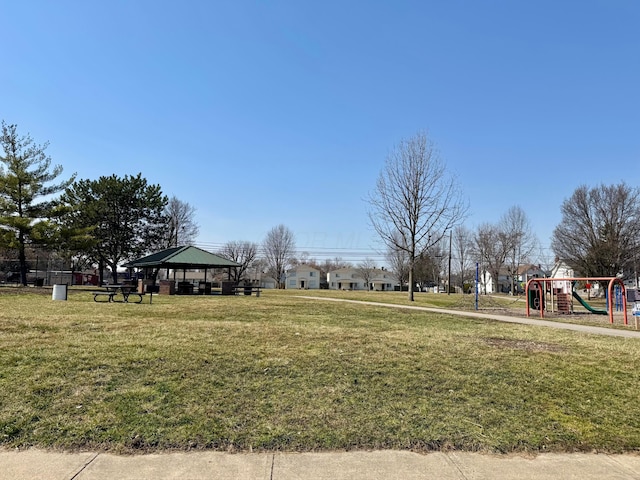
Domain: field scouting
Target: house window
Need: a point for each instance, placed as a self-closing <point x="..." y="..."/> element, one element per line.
<point x="292" y="283"/>
<point x="312" y="274"/>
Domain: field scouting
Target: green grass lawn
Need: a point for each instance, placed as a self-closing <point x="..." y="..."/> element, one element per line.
<point x="281" y="372"/>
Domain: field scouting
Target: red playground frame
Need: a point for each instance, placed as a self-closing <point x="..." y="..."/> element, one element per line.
<point x="540" y="283"/>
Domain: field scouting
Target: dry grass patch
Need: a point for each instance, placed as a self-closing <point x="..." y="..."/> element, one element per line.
<point x="285" y="373"/>
<point x="528" y="345"/>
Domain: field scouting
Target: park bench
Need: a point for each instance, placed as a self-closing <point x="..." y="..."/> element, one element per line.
<point x="105" y="293"/>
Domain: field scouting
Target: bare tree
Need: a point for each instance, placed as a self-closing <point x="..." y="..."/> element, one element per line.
<point x="415" y="201"/>
<point x="242" y="252"/>
<point x="522" y="241"/>
<point x="599" y="231"/>
<point x="182" y="228"/>
<point x="398" y="261"/>
<point x="492" y="247"/>
<point x="366" y="271"/>
<point x="430" y="266"/>
<point x="333" y="264"/>
<point x="329" y="265"/>
<point x="303" y="259"/>
<point x="279" y="249"/>
<point x="462" y="248"/>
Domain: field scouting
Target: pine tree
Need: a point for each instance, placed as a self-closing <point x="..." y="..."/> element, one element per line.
<point x="27" y="194"/>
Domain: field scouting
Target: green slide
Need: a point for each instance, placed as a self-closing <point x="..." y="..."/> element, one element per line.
<point x="587" y="306"/>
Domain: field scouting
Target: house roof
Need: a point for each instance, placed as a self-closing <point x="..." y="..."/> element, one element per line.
<point x="182" y="257"/>
<point x="343" y="270"/>
<point x="529" y="268"/>
<point x="303" y="267"/>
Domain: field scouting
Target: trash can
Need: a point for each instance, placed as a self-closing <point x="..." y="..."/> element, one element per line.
<point x="167" y="287"/>
<point x="228" y="288"/>
<point x="59" y="292"/>
<point x="39" y="282"/>
<point x="147" y="286"/>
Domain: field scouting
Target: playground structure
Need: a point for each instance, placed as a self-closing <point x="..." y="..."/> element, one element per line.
<point x="537" y="290"/>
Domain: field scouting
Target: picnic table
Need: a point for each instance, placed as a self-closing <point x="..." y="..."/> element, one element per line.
<point x="111" y="291"/>
<point x="246" y="290"/>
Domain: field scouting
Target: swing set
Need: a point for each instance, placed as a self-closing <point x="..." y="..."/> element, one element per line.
<point x="538" y="289"/>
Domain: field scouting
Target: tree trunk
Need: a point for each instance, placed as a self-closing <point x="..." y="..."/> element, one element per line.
<point x="114" y="272"/>
<point x="411" y="284"/>
<point x="22" y="257"/>
<point x="101" y="272"/>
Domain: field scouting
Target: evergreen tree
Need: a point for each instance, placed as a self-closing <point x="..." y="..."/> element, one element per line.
<point x="27" y="197"/>
<point x="125" y="216"/>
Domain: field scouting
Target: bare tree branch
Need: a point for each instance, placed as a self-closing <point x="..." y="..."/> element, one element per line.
<point x="521" y="239"/>
<point x="366" y="270"/>
<point x="415" y="201"/>
<point x="181" y="226"/>
<point x="279" y="249"/>
<point x="242" y="252"/>
<point x="462" y="247"/>
<point x="599" y="231"/>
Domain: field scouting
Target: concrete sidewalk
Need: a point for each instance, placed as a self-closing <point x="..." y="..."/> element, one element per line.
<point x="387" y="465"/>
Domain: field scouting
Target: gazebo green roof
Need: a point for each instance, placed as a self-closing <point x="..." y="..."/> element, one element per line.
<point x="182" y="257"/>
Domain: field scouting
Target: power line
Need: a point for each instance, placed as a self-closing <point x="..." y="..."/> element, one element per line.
<point x="357" y="254"/>
<point x="317" y="252"/>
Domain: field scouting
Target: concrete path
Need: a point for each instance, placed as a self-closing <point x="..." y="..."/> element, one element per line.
<point x="383" y="465"/>
<point x="491" y="316"/>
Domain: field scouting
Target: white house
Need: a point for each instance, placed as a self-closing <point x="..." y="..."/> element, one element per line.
<point x="345" y="279"/>
<point x="382" y="280"/>
<point x="529" y="271"/>
<point x="526" y="273"/>
<point x="523" y="274"/>
<point x="351" y="279"/>
<point x="303" y="276"/>
<point x="488" y="285"/>
<point x="562" y="270"/>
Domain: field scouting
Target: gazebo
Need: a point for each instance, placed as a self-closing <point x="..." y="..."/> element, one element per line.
<point x="183" y="258"/>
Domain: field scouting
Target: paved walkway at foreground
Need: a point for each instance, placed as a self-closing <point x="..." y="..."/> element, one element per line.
<point x="491" y="316"/>
<point x="383" y="465"/>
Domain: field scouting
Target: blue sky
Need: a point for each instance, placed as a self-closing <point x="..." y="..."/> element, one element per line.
<point x="266" y="112"/>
